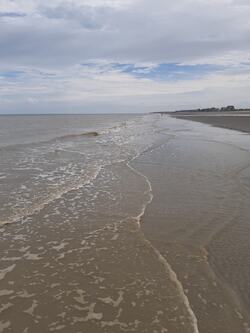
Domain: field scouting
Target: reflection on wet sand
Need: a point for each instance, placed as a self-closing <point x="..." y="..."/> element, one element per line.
<point x="199" y="220"/>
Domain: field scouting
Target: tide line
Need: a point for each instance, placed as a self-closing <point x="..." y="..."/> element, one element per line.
<point x="162" y="260"/>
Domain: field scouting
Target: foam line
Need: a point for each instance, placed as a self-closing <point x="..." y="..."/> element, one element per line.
<point x="39" y="206"/>
<point x="161" y="259"/>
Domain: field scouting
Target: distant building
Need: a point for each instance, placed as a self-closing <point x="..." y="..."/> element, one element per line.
<point x="228" y="108"/>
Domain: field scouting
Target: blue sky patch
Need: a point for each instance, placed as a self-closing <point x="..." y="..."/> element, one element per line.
<point x="11" y="74"/>
<point x="12" y="14"/>
<point x="168" y="71"/>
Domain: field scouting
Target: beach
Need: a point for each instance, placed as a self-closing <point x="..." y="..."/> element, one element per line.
<point x="198" y="220"/>
<point x="143" y="227"/>
<point x="237" y="120"/>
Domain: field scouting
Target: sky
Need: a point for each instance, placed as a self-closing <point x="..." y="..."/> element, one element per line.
<point x="102" y="56"/>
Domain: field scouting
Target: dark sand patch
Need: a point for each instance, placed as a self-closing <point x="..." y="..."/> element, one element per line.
<point x="239" y="122"/>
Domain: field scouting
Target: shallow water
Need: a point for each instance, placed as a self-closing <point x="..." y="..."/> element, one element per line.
<point x="199" y="219"/>
<point x="44" y="157"/>
<point x="74" y="257"/>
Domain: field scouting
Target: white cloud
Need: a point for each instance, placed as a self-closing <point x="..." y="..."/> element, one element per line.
<point x="56" y="37"/>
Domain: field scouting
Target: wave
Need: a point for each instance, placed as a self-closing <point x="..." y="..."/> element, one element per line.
<point x="71" y="136"/>
<point x="38" y="206"/>
<point x="59" y="191"/>
<point x="88" y="134"/>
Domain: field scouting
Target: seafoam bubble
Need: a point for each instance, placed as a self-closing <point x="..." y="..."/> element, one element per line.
<point x="5" y="307"/>
<point x="4" y="325"/>
<point x="5" y="292"/>
<point x="32" y="256"/>
<point x="24" y="294"/>
<point x="80" y="298"/>
<point x="110" y="301"/>
<point x="92" y="315"/>
<point x="31" y="309"/>
<point x="60" y="246"/>
<point x="6" y="270"/>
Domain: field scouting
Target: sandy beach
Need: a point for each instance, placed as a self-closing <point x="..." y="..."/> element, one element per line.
<point x="149" y="232"/>
<point x="239" y="121"/>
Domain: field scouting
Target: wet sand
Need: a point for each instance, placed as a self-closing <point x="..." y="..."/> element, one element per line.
<point x="237" y="121"/>
<point x="68" y="270"/>
<point x="160" y="243"/>
<point x="199" y="221"/>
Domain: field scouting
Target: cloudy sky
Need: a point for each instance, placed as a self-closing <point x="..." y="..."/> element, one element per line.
<point x="84" y="56"/>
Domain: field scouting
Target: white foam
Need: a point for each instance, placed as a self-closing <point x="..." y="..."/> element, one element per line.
<point x="31" y="309"/>
<point x="115" y="322"/>
<point x="162" y="260"/>
<point x="80" y="298"/>
<point x="115" y="237"/>
<point x="5" y="307"/>
<point x="180" y="289"/>
<point x="11" y="258"/>
<point x="32" y="256"/>
<point x="92" y="315"/>
<point x="57" y="328"/>
<point x="6" y="270"/>
<point x="4" y="325"/>
<point x="60" y="246"/>
<point x="61" y="256"/>
<point x="5" y="292"/>
<point x="24" y="294"/>
<point x="114" y="303"/>
<point x="36" y="207"/>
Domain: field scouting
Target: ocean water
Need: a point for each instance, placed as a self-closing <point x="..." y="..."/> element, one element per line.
<point x="122" y="231"/>
<point x="73" y="258"/>
<point x="44" y="157"/>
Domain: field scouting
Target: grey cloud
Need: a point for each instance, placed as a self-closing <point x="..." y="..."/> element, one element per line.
<point x="86" y="16"/>
<point x="12" y="14"/>
<point x="58" y="35"/>
<point x="145" y="31"/>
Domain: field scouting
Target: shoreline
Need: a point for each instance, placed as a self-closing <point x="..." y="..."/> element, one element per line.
<point x="170" y="273"/>
<point x="237" y="122"/>
<point x="145" y="245"/>
<point x="182" y="218"/>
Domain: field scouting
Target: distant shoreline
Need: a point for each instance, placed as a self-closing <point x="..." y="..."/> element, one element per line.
<point x="239" y="121"/>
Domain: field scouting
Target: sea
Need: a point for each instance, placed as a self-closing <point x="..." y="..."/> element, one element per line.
<point x="70" y="210"/>
<point x="45" y="157"/>
<point x="123" y="223"/>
